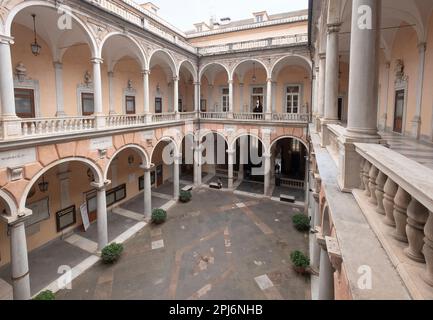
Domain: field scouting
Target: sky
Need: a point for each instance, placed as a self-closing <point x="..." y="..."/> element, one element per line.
<point x="184" y="13"/>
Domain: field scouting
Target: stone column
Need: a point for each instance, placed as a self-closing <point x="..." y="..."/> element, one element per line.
<point x="11" y="125"/>
<point x="416" y="221"/>
<point x="268" y="115"/>
<point x="401" y="202"/>
<point x="19" y="261"/>
<point x="267" y="173"/>
<point x="176" y="94"/>
<point x="243" y="153"/>
<point x="111" y="104"/>
<point x="231" y="100"/>
<point x="230" y="154"/>
<point x="385" y="111"/>
<point x="147" y="191"/>
<point x="58" y="74"/>
<point x="176" y="179"/>
<point x="363" y="90"/>
<point x="197" y="99"/>
<point x="146" y="94"/>
<point x="101" y="204"/>
<point x="416" y="122"/>
<point x="197" y="163"/>
<point x="97" y="92"/>
<point x="321" y="90"/>
<point x="331" y="81"/>
<point x="326" y="275"/>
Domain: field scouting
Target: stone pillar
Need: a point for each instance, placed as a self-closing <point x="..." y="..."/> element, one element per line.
<point x="331" y="82"/>
<point x="231" y="100"/>
<point x="197" y="163"/>
<point x="416" y="122"/>
<point x="326" y="275"/>
<point x="101" y="204"/>
<point x="267" y="173"/>
<point x="58" y="74"/>
<point x="417" y="218"/>
<point x="176" y="179"/>
<point x="148" y="191"/>
<point x="97" y="92"/>
<point x="384" y="116"/>
<point x="374" y="172"/>
<point x="19" y="261"/>
<point x="388" y="202"/>
<point x="197" y="97"/>
<point x="315" y="250"/>
<point x="176" y="94"/>
<point x="10" y="121"/>
<point x="146" y="93"/>
<point x="363" y="90"/>
<point x="111" y="104"/>
<point x="243" y="153"/>
<point x="230" y="154"/>
<point x="268" y="113"/>
<point x="401" y="202"/>
<point x="321" y="87"/>
<point x="428" y="250"/>
<point x="380" y="185"/>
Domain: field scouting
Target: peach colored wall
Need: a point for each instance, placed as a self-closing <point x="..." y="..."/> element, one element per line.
<point x="252" y="34"/>
<point x="158" y="76"/>
<point x="427" y="105"/>
<point x="39" y="68"/>
<point x="220" y="81"/>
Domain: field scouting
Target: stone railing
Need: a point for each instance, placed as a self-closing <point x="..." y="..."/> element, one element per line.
<point x="290" y="117"/>
<point x="292" y="183"/>
<point x="335" y="132"/>
<point x="248" y="116"/>
<point x="187" y="115"/>
<point x="396" y="196"/>
<point x="213" y="115"/>
<point x="164" y="117"/>
<point x="297" y="39"/>
<point x="124" y="120"/>
<point x="47" y="126"/>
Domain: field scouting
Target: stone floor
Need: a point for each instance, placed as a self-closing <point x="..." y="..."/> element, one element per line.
<point x="421" y="152"/>
<point x="297" y="193"/>
<point x="251" y="187"/>
<point x="201" y="253"/>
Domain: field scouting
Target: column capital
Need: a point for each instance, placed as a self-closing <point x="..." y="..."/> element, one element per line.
<point x="197" y="83"/>
<point x="175" y="78"/>
<point x="6" y="40"/>
<point x="145" y="72"/>
<point x="230" y="82"/>
<point x="58" y="65"/>
<point x="422" y="47"/>
<point x="17" y="219"/>
<point x="96" y="60"/>
<point x="333" y="28"/>
<point x="110" y="74"/>
<point x="148" y="167"/>
<point x="100" y="186"/>
<point x="266" y="155"/>
<point x="320" y="238"/>
<point x="230" y="152"/>
<point x="269" y="80"/>
<point x="322" y="56"/>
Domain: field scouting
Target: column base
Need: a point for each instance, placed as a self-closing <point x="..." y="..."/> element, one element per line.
<point x="229" y="115"/>
<point x="268" y="116"/>
<point x="11" y="127"/>
<point x="100" y="121"/>
<point x="325" y="131"/>
<point x="416" y="128"/>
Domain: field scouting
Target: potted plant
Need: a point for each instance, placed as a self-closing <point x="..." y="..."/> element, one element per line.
<point x="300" y="262"/>
<point x="185" y="196"/>
<point x="111" y="253"/>
<point x="159" y="216"/>
<point x="301" y="222"/>
<point x="45" y="295"/>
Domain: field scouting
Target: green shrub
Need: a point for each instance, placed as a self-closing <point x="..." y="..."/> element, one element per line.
<point x="45" y="295"/>
<point x="185" y="196"/>
<point x="301" y="222"/>
<point x="111" y="253"/>
<point x="159" y="216"/>
<point x="299" y="260"/>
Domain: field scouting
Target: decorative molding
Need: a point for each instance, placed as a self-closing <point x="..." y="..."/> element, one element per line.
<point x="22" y="81"/>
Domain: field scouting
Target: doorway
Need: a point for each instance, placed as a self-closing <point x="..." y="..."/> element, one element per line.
<point x="399" y="111"/>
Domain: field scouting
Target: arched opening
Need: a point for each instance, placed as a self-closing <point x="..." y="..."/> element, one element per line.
<point x="289" y="168"/>
<point x="125" y="63"/>
<point x="250" y="87"/>
<point x="163" y="82"/>
<point x="187" y="76"/>
<point x="215" y="167"/>
<point x="214" y="89"/>
<point x="187" y="164"/>
<point x="62" y="60"/>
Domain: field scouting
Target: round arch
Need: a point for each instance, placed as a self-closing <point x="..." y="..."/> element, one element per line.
<point x="165" y="139"/>
<point x="168" y="58"/>
<point x="248" y="60"/>
<point x="141" y="56"/>
<point x="190" y="67"/>
<point x="99" y="178"/>
<point x="288" y="137"/>
<point x="206" y="132"/>
<point x="23" y="5"/>
<point x="139" y="149"/>
<point x="206" y="66"/>
<point x="11" y="206"/>
<point x="232" y="144"/>
<point x="304" y="62"/>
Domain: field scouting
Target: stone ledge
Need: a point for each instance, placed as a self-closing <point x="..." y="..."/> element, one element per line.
<point x="358" y="243"/>
<point x="409" y="270"/>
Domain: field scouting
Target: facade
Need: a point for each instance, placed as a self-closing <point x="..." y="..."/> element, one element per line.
<point x="94" y="92"/>
<point x="95" y="95"/>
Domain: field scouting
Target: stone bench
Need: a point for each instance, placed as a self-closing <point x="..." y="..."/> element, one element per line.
<point x="187" y="188"/>
<point x="287" y="198"/>
<point x="215" y="185"/>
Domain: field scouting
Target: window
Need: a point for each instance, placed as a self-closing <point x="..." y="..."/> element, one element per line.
<point x="66" y="218"/>
<point x="257" y="99"/>
<point x="25" y="103"/>
<point x="259" y="18"/>
<point x="87" y="104"/>
<point x="130" y="104"/>
<point x="292" y="99"/>
<point x="199" y="28"/>
<point x="158" y="105"/>
<point x="141" y="181"/>
<point x="203" y="106"/>
<point x="225" y="99"/>
<point x="179" y="105"/>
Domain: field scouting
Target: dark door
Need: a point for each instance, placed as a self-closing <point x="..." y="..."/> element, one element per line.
<point x="399" y="111"/>
<point x="159" y="175"/>
<point x="340" y="108"/>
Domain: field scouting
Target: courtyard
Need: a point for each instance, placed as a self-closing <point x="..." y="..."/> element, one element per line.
<point x="218" y="246"/>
